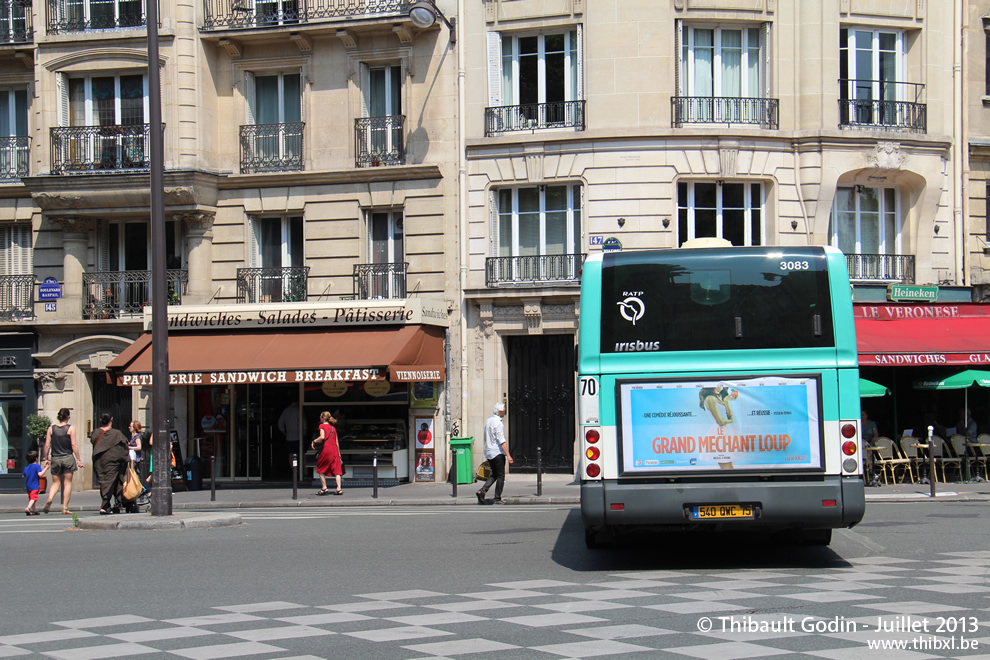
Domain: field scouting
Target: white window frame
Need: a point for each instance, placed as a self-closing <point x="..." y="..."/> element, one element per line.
<point x="498" y="96"/>
<point x="748" y="208"/>
<point x="106" y="227"/>
<point x="266" y="144"/>
<point x="888" y="245"/>
<point x="16" y="254"/>
<point x="686" y="62"/>
<point x="285" y="254"/>
<point x="66" y="118"/>
<point x="66" y="7"/>
<point x="853" y="89"/>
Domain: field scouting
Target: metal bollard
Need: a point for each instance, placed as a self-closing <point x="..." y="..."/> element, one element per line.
<point x="453" y="470"/>
<point x="931" y="461"/>
<point x="374" y="475"/>
<point x="295" y="485"/>
<point x="539" y="472"/>
<point x="213" y="479"/>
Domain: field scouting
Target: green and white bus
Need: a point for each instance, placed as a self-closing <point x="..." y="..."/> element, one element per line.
<point x="718" y="390"/>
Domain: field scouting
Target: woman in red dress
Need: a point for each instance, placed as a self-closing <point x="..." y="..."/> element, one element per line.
<point x="328" y="461"/>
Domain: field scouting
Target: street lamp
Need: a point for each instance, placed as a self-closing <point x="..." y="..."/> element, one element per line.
<point x="424" y="14"/>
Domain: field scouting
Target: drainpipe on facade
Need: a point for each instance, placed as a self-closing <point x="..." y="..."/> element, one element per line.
<point x="964" y="138"/>
<point x="800" y="193"/>
<point x="462" y="211"/>
<point x="958" y="150"/>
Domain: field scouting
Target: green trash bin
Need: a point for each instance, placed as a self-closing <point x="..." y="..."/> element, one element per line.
<point x="465" y="464"/>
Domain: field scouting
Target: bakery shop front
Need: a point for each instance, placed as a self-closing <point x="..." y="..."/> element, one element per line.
<point x="248" y="384"/>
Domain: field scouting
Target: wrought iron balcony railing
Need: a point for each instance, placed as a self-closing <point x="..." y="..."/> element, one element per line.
<point x="534" y="116"/>
<point x="271" y="148"/>
<point x="380" y="280"/>
<point x="15" y="157"/>
<point x="85" y="15"/>
<point x="100" y="148"/>
<point x="16" y="22"/>
<point x="112" y="294"/>
<point x="16" y="297"/>
<point x="881" y="268"/>
<point x="873" y="104"/>
<point x="263" y="285"/>
<point x="724" y="110"/>
<point x="234" y="14"/>
<point x="533" y="270"/>
<point x="378" y="141"/>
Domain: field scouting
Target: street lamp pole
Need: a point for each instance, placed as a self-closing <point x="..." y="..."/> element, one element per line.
<point x="161" y="487"/>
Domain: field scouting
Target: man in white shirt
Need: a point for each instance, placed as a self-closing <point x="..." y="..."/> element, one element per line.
<point x="496" y="453"/>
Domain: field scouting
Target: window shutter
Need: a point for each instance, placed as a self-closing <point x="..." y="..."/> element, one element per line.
<point x="249" y="96"/>
<point x="678" y="57"/>
<point x="765" y="59"/>
<point x="494" y="69"/>
<point x="5" y="250"/>
<point x="579" y="92"/>
<point x="493" y="218"/>
<point x="21" y="259"/>
<point x="62" y="86"/>
<point x="365" y="88"/>
<point x="103" y="246"/>
<point x="253" y="244"/>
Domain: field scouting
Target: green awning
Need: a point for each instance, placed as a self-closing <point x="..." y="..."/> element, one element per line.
<point x="867" y="388"/>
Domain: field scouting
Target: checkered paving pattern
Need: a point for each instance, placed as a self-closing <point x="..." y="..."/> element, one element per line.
<point x="627" y="614"/>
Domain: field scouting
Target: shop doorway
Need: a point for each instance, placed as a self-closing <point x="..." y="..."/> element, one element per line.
<point x="261" y="450"/>
<point x="541" y="402"/>
<point x="107" y="398"/>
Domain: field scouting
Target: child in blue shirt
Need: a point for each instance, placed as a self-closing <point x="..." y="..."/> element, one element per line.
<point x="32" y="482"/>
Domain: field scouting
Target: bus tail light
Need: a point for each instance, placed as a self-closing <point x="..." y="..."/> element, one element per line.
<point x="849" y="448"/>
<point x="848" y="430"/>
<point x="592" y="436"/>
<point x="593" y="470"/>
<point x="849" y="436"/>
<point x="593" y="453"/>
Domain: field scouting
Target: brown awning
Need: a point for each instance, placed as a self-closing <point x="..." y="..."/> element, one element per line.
<point x="405" y="354"/>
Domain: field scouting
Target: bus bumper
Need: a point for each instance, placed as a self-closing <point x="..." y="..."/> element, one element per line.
<point x="777" y="505"/>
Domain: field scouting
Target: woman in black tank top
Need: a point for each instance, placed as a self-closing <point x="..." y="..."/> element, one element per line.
<point x="62" y="457"/>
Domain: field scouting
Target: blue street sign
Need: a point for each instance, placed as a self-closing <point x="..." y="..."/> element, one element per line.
<point x="50" y="289"/>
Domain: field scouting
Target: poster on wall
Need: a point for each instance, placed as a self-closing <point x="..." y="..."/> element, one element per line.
<point x="424" y="433"/>
<point x="423" y="395"/>
<point x="424" y="466"/>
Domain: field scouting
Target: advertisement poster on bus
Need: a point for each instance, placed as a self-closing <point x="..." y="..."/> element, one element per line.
<point x="751" y="424"/>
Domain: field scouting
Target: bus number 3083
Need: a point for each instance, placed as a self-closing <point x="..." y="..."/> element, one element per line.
<point x="794" y="265"/>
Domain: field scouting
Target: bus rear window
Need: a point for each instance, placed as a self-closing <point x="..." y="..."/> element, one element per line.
<point x="700" y="299"/>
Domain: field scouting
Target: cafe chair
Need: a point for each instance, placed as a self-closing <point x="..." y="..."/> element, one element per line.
<point x="912" y="454"/>
<point x="886" y="458"/>
<point x="978" y="451"/>
<point x="942" y="452"/>
<point x="958" y="445"/>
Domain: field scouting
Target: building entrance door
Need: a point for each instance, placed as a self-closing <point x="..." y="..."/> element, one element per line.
<point x="541" y="402"/>
<point x="260" y="448"/>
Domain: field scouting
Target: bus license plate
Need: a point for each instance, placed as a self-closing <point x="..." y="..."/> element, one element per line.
<point x="716" y="511"/>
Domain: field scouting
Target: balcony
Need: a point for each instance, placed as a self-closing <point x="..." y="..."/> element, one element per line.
<point x="873" y="105"/>
<point x="90" y="15"/>
<point x="534" y="116"/>
<point x="234" y="14"/>
<point x="271" y="148"/>
<point x="91" y="149"/>
<point x="533" y="270"/>
<point x="727" y="110"/>
<point x="16" y="297"/>
<point x="881" y="268"/>
<point x="378" y="141"/>
<point x="264" y="285"/>
<point x="380" y="281"/>
<point x="16" y="22"/>
<point x="15" y="158"/>
<point x="118" y="293"/>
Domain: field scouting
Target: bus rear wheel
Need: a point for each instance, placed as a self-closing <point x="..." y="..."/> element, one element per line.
<point x="593" y="539"/>
<point x="816" y="537"/>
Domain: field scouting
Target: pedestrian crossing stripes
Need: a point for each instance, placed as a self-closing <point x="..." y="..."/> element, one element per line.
<point x="655" y="613"/>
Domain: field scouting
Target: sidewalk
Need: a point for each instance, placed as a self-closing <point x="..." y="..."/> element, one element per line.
<point x="519" y="489"/>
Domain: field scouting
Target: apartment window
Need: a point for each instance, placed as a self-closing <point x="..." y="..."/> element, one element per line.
<point x="276" y="242"/>
<point x="126" y="245"/>
<point x="379" y="131"/>
<point x="14" y="139"/>
<point x="538" y="76"/>
<point x="871" y="64"/>
<point x="101" y="14"/>
<point x="385" y="276"/>
<point x="272" y="141"/>
<point x="986" y="66"/>
<point x="539" y="220"/>
<point x="719" y="61"/>
<point x="13" y="20"/>
<point x="865" y="221"/>
<point x="105" y="101"/>
<point x="385" y="234"/>
<point x="15" y="249"/>
<point x="717" y="209"/>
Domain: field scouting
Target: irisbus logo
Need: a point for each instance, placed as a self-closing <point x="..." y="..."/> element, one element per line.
<point x="632" y="307"/>
<point x="635" y="346"/>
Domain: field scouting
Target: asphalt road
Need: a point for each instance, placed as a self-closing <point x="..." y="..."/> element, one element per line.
<point x="491" y="582"/>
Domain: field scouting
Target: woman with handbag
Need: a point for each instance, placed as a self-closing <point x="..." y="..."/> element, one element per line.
<point x="328" y="458"/>
<point x="110" y="462"/>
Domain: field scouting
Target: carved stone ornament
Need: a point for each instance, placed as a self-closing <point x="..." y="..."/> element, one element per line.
<point x="75" y="225"/>
<point x="179" y="196"/>
<point x="727" y="158"/>
<point x="533" y="311"/>
<point x="50" y="381"/>
<point x="197" y="222"/>
<point x="51" y="201"/>
<point x="887" y="156"/>
<point x="486" y="327"/>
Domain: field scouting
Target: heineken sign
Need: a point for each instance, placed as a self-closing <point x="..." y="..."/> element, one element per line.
<point x="898" y="292"/>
